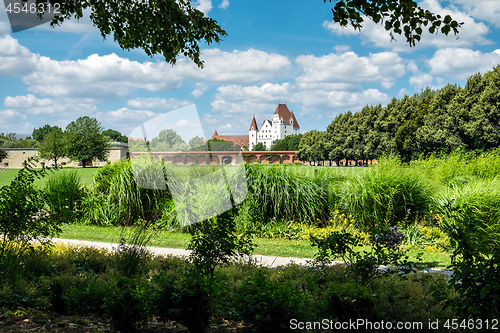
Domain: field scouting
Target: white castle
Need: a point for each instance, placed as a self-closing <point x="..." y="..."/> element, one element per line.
<point x="283" y="124"/>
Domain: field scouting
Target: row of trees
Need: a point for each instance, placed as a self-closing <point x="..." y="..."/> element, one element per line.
<point x="431" y="121"/>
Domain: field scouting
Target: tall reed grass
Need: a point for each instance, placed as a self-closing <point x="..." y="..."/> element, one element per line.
<point x="117" y="199"/>
<point x="385" y="195"/>
<point x="63" y="194"/>
<point x="280" y="194"/>
<point x="477" y="203"/>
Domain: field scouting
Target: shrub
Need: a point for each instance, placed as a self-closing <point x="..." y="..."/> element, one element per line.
<point x="128" y="303"/>
<point x="476" y="270"/>
<point x="364" y="266"/>
<point x="186" y="298"/>
<point x="268" y="306"/>
<point x="22" y="215"/>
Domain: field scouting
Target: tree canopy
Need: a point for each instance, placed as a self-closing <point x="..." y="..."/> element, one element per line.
<point x="3" y="154"/>
<point x="53" y="146"/>
<point x="115" y="136"/>
<point x="85" y="141"/>
<point x="402" y="17"/>
<point x="289" y="142"/>
<point x="168" y="140"/>
<point x="40" y="133"/>
<point x="259" y="147"/>
<point x="175" y="28"/>
<point x="166" y="27"/>
<point x="451" y="118"/>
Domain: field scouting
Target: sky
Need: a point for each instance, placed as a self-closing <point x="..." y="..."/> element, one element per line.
<point x="275" y="52"/>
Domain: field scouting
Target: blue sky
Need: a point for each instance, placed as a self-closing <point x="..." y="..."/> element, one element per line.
<point x="275" y="52"/>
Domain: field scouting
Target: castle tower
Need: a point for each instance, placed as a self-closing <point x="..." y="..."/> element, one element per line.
<point x="252" y="134"/>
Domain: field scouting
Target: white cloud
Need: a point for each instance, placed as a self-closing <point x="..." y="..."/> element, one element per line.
<point x="421" y="80"/>
<point x="337" y="29"/>
<point x="157" y="103"/>
<point x="224" y="4"/>
<point x="249" y="66"/>
<point x="473" y="32"/>
<point x="204" y="6"/>
<point x="265" y="93"/>
<point x="14" y="58"/>
<point x="487" y="10"/>
<point x="200" y="89"/>
<point x="343" y="100"/>
<point x="349" y="68"/>
<point x="32" y="105"/>
<point x="83" y="25"/>
<point x="11" y="118"/>
<point x="108" y="76"/>
<point x="460" y="63"/>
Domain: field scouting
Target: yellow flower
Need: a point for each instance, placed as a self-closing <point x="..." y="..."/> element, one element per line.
<point x="350" y="216"/>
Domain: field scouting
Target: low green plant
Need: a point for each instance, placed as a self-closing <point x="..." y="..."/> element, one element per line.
<point x="214" y="242"/>
<point x="365" y="266"/>
<point x="128" y="303"/>
<point x="268" y="306"/>
<point x="23" y="218"/>
<point x="278" y="193"/>
<point x="132" y="256"/>
<point x="122" y="194"/>
<point x="188" y="298"/>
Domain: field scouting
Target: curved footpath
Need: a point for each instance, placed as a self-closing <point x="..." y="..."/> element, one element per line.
<point x="268" y="261"/>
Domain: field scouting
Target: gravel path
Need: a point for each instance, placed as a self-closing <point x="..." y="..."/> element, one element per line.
<point x="259" y="259"/>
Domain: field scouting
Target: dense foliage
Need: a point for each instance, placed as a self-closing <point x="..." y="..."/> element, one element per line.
<point x="429" y="122"/>
<point x="85" y="140"/>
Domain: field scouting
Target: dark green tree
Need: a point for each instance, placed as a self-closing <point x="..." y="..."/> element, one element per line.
<point x="168" y="140"/>
<point x="53" y="146"/>
<point x="3" y="154"/>
<point x="482" y="128"/>
<point x="115" y="136"/>
<point x="40" y="133"/>
<point x="222" y="145"/>
<point x="405" y="140"/>
<point x="439" y="130"/>
<point x="312" y="147"/>
<point x="288" y="143"/>
<point x="196" y="142"/>
<point x="85" y="141"/>
<point x="259" y="147"/>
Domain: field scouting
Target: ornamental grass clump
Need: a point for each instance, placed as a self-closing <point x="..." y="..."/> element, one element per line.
<point x="473" y="202"/>
<point x="278" y="193"/>
<point x="386" y="195"/>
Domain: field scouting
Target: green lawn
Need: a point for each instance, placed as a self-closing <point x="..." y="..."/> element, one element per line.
<point x="86" y="174"/>
<point x="269" y="247"/>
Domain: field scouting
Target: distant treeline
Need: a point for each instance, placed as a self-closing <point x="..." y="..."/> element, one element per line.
<point x="430" y="121"/>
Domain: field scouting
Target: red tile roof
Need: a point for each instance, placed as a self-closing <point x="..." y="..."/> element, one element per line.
<point x="254" y="125"/>
<point x="239" y="140"/>
<point x="285" y="114"/>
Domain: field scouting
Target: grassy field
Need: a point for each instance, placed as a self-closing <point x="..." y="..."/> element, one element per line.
<point x="86" y="174"/>
<point x="264" y="246"/>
